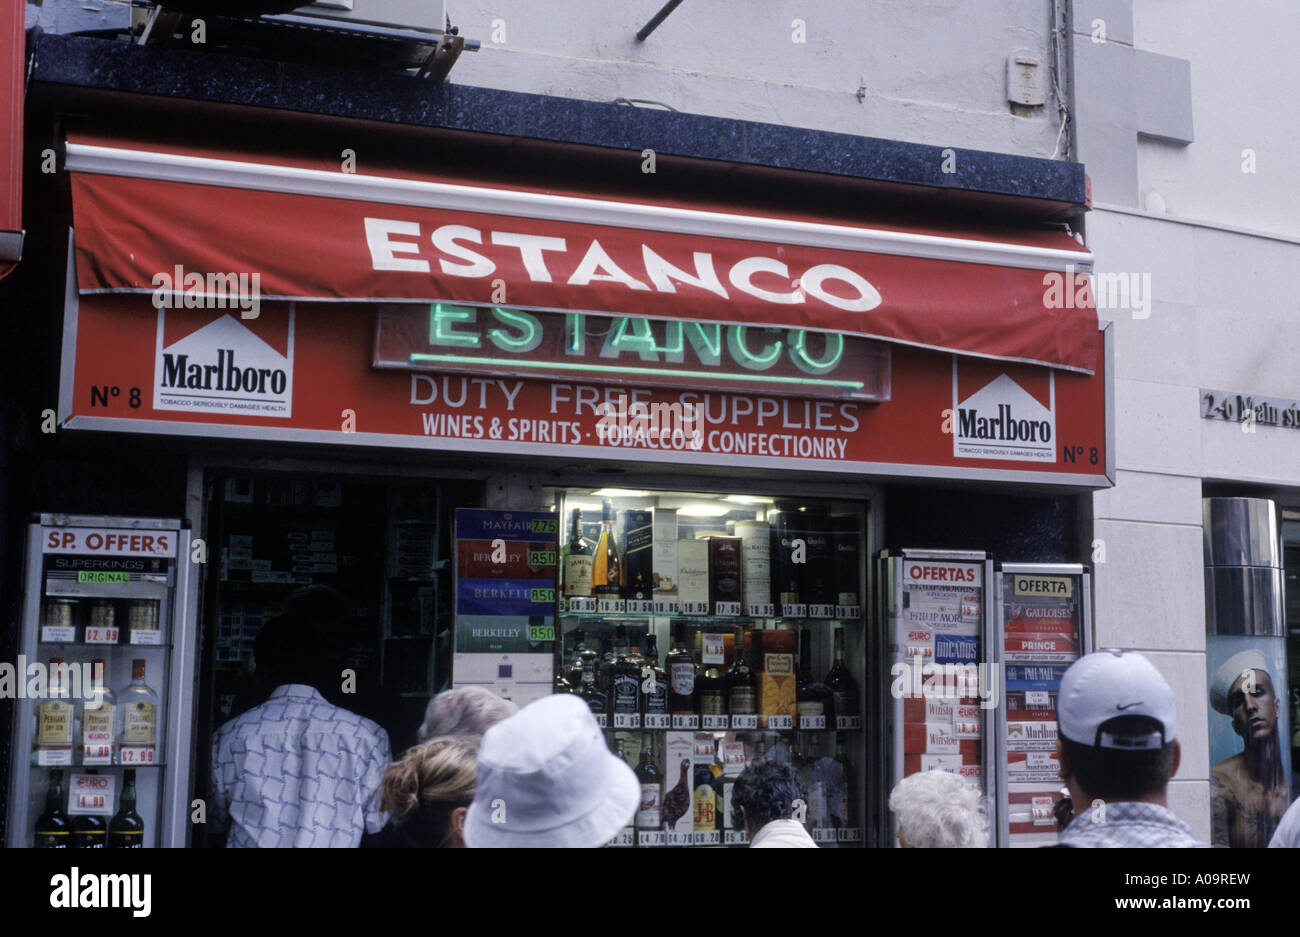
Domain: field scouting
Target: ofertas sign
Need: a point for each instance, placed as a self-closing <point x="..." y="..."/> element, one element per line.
<point x="630" y="349"/>
<point x="333" y="395"/>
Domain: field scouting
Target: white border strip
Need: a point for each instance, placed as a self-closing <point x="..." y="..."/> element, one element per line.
<point x="170" y="167"/>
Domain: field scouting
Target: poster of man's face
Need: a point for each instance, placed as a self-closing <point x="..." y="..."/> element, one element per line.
<point x="1250" y="773"/>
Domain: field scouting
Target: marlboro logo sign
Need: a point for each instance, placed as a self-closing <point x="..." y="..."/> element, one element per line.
<point x="1002" y="418"/>
<point x="223" y="364"/>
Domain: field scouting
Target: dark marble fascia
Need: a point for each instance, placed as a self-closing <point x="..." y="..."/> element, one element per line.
<point x="400" y="99"/>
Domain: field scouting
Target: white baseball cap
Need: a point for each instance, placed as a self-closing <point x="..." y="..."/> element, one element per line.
<point x="1111" y="683"/>
<point x="547" y="779"/>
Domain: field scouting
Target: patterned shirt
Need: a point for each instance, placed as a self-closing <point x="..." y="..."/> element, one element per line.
<point x="1129" y="824"/>
<point x="298" y="771"/>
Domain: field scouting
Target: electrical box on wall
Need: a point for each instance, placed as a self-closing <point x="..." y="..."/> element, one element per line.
<point x="1024" y="79"/>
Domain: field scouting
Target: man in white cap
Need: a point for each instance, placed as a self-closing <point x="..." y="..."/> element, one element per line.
<point x="1118" y="749"/>
<point x="1248" y="792"/>
<point x="546" y="779"/>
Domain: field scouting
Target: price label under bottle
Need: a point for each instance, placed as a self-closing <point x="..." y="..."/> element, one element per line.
<point x="848" y="722"/>
<point x="101" y="635"/>
<point x="600" y="719"/>
<point x="55" y="634"/>
<point x="54" y="756"/>
<point x="91" y="794"/>
<point x="674" y="838"/>
<point x="848" y="611"/>
<point x="707" y="838"/>
<point x="780" y="722"/>
<point x="735" y="838"/>
<point x="727" y="608"/>
<point x="651" y="838"/>
<point x="695" y="608"/>
<point x="666" y="606"/>
<point x="713" y="721"/>
<point x="794" y="611"/>
<point x="581" y="605"/>
<point x="627" y="721"/>
<point x="146" y="636"/>
<point x="850" y="834"/>
<point x="97" y="753"/>
<point x="686" y="722"/>
<point x="821" y="611"/>
<point x="658" y="721"/>
<point x="611" y="606"/>
<point x="823" y="834"/>
<point x="136" y="755"/>
<point x="762" y="610"/>
<point x="744" y="722"/>
<point x="812" y="722"/>
<point x="624" y="838"/>
<point x="640" y="606"/>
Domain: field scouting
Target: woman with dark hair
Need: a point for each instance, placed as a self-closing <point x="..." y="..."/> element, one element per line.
<point x="428" y="793"/>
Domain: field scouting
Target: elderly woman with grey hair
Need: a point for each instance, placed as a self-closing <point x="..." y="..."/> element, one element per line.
<point x="939" y="810"/>
<point x="466" y="710"/>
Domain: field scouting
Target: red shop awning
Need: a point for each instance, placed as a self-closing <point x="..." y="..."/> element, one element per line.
<point x="148" y="219"/>
<point x="12" y="61"/>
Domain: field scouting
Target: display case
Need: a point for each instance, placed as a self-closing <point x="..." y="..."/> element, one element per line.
<point x="104" y="685"/>
<point x="707" y="631"/>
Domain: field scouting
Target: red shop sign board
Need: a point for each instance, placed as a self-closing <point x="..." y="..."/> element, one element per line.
<point x="303" y="373"/>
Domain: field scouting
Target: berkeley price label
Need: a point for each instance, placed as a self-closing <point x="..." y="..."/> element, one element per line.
<point x="101" y="635"/>
<point x="686" y="722"/>
<point x="744" y="722"/>
<point x="55" y="634"/>
<point x="780" y="722"/>
<point x="713" y="721"/>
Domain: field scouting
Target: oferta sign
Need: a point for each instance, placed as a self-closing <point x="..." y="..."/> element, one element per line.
<point x="630" y="349"/>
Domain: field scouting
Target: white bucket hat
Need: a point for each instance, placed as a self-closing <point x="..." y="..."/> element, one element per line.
<point x="546" y="779"/>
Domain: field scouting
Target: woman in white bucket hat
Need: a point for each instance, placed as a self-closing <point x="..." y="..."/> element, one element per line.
<point x="547" y="779"/>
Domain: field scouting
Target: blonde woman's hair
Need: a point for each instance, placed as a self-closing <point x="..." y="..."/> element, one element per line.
<point x="429" y="782"/>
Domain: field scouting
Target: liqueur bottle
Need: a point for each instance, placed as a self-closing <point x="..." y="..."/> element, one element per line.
<point x="742" y="685"/>
<point x="53" y="831"/>
<point x="588" y="692"/>
<point x="607" y="568"/>
<point x="844" y="689"/>
<point x="711" y="688"/>
<point x="138" y="739"/>
<point x="648" y="816"/>
<point x="126" y="829"/>
<point x="654" y="684"/>
<point x="89" y="830"/>
<point x="681" y="678"/>
<point x="578" y="560"/>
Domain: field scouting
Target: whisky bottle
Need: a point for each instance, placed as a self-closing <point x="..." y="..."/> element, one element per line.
<point x="810" y="707"/>
<point x="573" y="668"/>
<point x="625" y="685"/>
<point x="594" y="699"/>
<point x="126" y="829"/>
<point x="711" y="688"/>
<point x="654" y="686"/>
<point x="53" y="831"/>
<point x="681" y="677"/>
<point x="638" y="574"/>
<point x="844" y="689"/>
<point x="53" y="740"/>
<point x="578" y="561"/>
<point x="647" y="774"/>
<point x="89" y="830"/>
<point x="607" y="568"/>
<point x="138" y="738"/>
<point x="742" y="685"/>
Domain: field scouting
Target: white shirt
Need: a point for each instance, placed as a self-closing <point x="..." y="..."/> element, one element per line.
<point x="1287" y="834"/>
<point x="298" y="771"/>
<point x="783" y="834"/>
